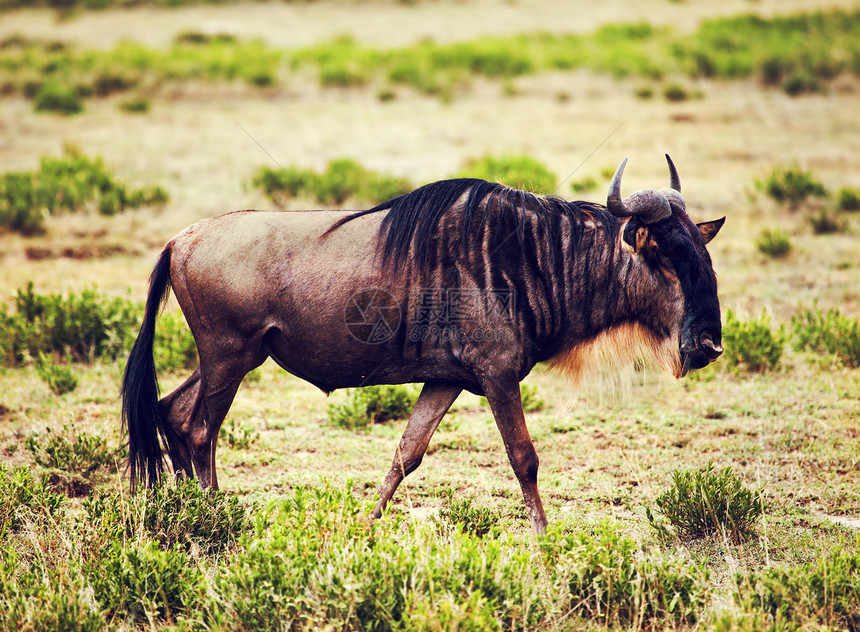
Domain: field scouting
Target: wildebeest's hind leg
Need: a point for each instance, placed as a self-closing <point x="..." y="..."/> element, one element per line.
<point x="219" y="380"/>
<point x="503" y="396"/>
<point x="195" y="411"/>
<point x="178" y="407"/>
<point x="433" y="402"/>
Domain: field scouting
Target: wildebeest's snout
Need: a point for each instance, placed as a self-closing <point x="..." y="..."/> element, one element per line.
<point x="700" y="346"/>
<point x="711" y="349"/>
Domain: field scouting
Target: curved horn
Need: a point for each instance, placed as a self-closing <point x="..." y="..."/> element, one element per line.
<point x="614" y="203"/>
<point x="650" y="205"/>
<point x="674" y="180"/>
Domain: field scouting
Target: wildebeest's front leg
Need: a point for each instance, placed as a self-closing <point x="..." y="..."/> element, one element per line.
<point x="433" y="402"/>
<point x="503" y="396"/>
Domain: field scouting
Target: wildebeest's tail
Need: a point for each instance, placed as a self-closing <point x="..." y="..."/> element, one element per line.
<point x="142" y="417"/>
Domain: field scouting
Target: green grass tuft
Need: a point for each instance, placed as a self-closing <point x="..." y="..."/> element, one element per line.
<point x="372" y="405"/>
<point x="791" y="186"/>
<point x="774" y="243"/>
<point x="342" y="180"/>
<point x="831" y="333"/>
<point x="518" y="172"/>
<point x="753" y="345"/>
<point x="707" y="503"/>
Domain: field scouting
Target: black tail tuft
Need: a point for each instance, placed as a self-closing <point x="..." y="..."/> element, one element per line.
<point x="142" y="417"/>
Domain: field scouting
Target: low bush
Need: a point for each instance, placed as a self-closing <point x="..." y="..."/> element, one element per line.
<point x="238" y="438"/>
<point x="20" y="209"/>
<point x="60" y="378"/>
<point x="143" y="582"/>
<point x="752" y="345"/>
<point x="830" y="333"/>
<point x="607" y="578"/>
<point x="71" y="184"/>
<point x="175" y="348"/>
<point x="478" y="521"/>
<point x="58" y="97"/>
<point x="848" y="199"/>
<point x="676" y="93"/>
<point x="372" y="405"/>
<point x="705" y="503"/>
<point x="321" y="564"/>
<point x="518" y="172"/>
<point x="84" y="327"/>
<point x="136" y="105"/>
<point x="342" y="180"/>
<point x="23" y="495"/>
<point x="175" y="516"/>
<point x="826" y="222"/>
<point x="588" y="183"/>
<point x="81" y="326"/>
<point x="70" y="450"/>
<point x="774" y="243"/>
<point x="529" y="397"/>
<point x="824" y="594"/>
<point x="791" y="186"/>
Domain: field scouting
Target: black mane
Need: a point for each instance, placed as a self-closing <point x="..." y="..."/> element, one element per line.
<point x="413" y="218"/>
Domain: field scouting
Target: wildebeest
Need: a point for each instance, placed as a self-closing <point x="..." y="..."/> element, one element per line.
<point x="460" y="284"/>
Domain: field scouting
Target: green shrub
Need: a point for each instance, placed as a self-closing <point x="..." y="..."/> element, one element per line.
<point x="830" y="333"/>
<point x="479" y="521"/>
<point x="196" y="38"/>
<point x="174" y="348"/>
<point x="791" y="186"/>
<point x="71" y="184"/>
<point x="35" y="597"/>
<point x="774" y="243"/>
<point x="824" y="594"/>
<point x="322" y="563"/>
<point x="676" y="93"/>
<point x="85" y="327"/>
<point x="23" y="495"/>
<point x="238" y="438"/>
<point x="606" y="577"/>
<point x="59" y="377"/>
<point x="144" y="582"/>
<point x="82" y="453"/>
<point x="644" y="92"/>
<point x="518" y="172"/>
<point x="136" y="105"/>
<point x="824" y="222"/>
<point x="848" y="199"/>
<point x="705" y="503"/>
<point x="372" y="405"/>
<point x="343" y="179"/>
<point x="529" y="397"/>
<point x="180" y="515"/>
<point x="802" y="82"/>
<point x="584" y="185"/>
<point x="752" y="345"/>
<point x="20" y="210"/>
<point x="82" y="326"/>
<point x="58" y="97"/>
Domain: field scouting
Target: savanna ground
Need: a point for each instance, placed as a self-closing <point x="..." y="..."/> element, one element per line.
<point x="608" y="448"/>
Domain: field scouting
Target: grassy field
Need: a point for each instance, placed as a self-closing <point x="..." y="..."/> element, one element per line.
<point x="286" y="546"/>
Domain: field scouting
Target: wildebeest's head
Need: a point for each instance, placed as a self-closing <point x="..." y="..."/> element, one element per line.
<point x="660" y="231"/>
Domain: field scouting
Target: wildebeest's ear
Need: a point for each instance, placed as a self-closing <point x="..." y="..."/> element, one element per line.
<point x="636" y="235"/>
<point x="709" y="230"/>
